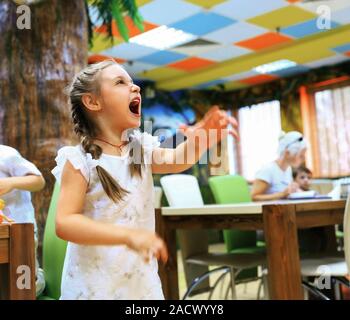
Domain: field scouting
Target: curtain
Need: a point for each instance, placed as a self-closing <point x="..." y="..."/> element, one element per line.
<point x="333" y="131"/>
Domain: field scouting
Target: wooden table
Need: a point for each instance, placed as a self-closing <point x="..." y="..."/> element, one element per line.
<point x="279" y="220"/>
<point x="17" y="262"/>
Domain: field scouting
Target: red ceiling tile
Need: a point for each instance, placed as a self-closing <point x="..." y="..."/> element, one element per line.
<point x="264" y="41"/>
<point x="133" y="30"/>
<point x="261" y="78"/>
<point x="192" y="63"/>
<point x="99" y="57"/>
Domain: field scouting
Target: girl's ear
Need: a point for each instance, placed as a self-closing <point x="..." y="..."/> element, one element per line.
<point x="91" y="102"/>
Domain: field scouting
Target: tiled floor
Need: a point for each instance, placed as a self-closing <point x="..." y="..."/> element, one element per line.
<point x="246" y="291"/>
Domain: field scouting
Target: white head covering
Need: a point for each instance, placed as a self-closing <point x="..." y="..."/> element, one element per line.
<point x="292" y="141"/>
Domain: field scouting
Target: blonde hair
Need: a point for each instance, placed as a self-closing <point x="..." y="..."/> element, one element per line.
<point x="87" y="81"/>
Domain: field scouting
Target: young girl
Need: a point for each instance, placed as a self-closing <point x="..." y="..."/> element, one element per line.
<point x="18" y="178"/>
<point x="105" y="208"/>
<point x="275" y="180"/>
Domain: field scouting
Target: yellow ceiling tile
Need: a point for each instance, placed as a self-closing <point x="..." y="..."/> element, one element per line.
<point x="304" y="55"/>
<point x="162" y="73"/>
<point x="206" y="3"/>
<point x="234" y="85"/>
<point x="100" y="42"/>
<point x="283" y="17"/>
<point x="140" y="3"/>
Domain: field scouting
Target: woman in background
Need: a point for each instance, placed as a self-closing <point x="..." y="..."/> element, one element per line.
<point x="275" y="180"/>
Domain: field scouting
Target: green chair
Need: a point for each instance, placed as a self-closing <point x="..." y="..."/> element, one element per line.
<point x="234" y="189"/>
<point x="54" y="250"/>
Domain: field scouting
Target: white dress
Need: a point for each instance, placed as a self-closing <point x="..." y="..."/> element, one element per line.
<point x="112" y="272"/>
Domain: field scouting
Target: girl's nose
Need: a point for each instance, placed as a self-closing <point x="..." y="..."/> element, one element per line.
<point x="135" y="87"/>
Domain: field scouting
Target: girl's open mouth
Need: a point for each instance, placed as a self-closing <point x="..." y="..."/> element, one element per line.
<point x="134" y="106"/>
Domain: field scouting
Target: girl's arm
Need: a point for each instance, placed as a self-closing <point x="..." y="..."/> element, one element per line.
<point x="30" y="183"/>
<point x="183" y="157"/>
<point x="200" y="137"/>
<point x="73" y="226"/>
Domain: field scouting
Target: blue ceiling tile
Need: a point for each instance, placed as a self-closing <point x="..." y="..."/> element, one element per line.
<point x="307" y="28"/>
<point x="203" y="23"/>
<point x="163" y="57"/>
<point x="343" y="48"/>
<point x="164" y="12"/>
<point x="129" y="51"/>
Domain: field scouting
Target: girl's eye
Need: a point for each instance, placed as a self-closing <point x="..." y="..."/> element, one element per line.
<point x="119" y="82"/>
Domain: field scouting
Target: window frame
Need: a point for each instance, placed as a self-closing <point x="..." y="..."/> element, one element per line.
<point x="309" y="119"/>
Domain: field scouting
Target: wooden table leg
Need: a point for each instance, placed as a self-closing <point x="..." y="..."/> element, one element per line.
<point x="4" y="281"/>
<point x="168" y="273"/>
<point x="283" y="252"/>
<point x="22" y="262"/>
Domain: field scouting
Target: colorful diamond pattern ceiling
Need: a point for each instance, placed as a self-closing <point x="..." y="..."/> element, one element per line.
<point x="229" y="38"/>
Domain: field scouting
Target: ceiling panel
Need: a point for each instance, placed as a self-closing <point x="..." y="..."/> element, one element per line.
<point x="221" y="41"/>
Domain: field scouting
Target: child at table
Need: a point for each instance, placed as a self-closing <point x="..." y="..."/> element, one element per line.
<point x="302" y="176"/>
<point x="312" y="240"/>
<point x="105" y="207"/>
<point x="18" y="178"/>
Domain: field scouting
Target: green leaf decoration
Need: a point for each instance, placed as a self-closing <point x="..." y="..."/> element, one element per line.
<point x="115" y="10"/>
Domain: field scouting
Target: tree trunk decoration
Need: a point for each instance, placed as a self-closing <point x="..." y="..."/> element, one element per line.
<point x="35" y="67"/>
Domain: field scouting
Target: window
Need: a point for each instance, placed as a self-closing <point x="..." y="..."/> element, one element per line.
<point x="259" y="128"/>
<point x="327" y="117"/>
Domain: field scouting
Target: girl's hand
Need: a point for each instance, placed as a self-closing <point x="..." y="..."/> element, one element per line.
<point x="214" y="119"/>
<point x="148" y="244"/>
<point x="6" y="186"/>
